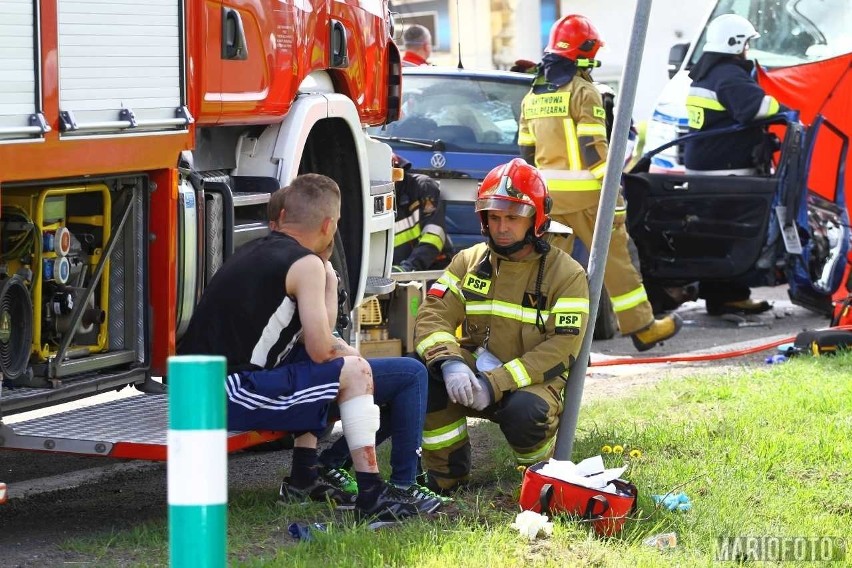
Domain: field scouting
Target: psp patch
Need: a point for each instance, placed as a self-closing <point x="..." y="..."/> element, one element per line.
<point x="568" y="324"/>
<point x="476" y="284"/>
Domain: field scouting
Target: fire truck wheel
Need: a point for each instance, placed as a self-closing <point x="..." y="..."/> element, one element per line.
<point x="344" y="309"/>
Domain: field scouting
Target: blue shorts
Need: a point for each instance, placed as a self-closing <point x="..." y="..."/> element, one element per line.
<point x="292" y="397"/>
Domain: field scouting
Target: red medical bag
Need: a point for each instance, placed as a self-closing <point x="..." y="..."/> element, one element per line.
<point x="605" y="511"/>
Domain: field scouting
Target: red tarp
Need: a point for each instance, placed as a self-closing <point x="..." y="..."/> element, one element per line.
<point x="820" y="88"/>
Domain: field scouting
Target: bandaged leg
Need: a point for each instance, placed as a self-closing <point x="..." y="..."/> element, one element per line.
<point x="360" y="418"/>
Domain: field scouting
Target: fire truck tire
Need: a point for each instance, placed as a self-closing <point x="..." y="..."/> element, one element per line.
<point x="344" y="309"/>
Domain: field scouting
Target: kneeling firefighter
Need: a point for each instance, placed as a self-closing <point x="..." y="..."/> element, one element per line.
<point x="523" y="307"/>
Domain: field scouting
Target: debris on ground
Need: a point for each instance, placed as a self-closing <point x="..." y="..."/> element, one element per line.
<point x="531" y="524"/>
<point x="673" y="501"/>
<point x="662" y="541"/>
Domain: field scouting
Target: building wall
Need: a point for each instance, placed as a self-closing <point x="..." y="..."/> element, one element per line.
<point x="494" y="33"/>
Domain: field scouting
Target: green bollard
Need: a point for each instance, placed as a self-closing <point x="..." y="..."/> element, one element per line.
<point x="197" y="462"/>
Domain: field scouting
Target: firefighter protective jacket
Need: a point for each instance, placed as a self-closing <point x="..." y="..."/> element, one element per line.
<point x="564" y="129"/>
<point x="419" y="237"/>
<point x="723" y="94"/>
<point x="495" y="298"/>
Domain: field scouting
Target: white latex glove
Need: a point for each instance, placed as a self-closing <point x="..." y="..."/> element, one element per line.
<point x="481" y="395"/>
<point x="459" y="381"/>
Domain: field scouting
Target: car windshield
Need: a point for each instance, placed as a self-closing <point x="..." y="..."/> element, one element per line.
<point x="791" y="31"/>
<point x="468" y="114"/>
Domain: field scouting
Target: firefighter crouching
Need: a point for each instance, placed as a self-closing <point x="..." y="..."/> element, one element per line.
<point x="562" y="130"/>
<point x="523" y="307"/>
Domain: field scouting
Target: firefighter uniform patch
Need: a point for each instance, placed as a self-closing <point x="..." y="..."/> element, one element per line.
<point x="568" y="324"/>
<point x="437" y="290"/>
<point x="476" y="284"/>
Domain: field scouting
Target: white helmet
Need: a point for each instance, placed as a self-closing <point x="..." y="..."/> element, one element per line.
<point x="728" y="34"/>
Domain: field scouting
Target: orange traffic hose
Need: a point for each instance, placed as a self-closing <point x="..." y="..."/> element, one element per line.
<point x="702" y="356"/>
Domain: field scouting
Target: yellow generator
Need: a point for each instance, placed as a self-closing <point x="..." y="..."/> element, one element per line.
<point x="54" y="292"/>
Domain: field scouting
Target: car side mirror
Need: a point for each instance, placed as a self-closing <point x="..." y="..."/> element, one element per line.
<point x="677" y="54"/>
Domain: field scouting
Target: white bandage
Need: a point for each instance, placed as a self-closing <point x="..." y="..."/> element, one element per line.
<point x="360" y="418"/>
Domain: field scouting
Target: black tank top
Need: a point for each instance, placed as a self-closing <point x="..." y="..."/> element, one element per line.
<point x="245" y="313"/>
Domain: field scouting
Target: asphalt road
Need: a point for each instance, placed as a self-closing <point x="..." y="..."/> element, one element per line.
<point x="100" y="494"/>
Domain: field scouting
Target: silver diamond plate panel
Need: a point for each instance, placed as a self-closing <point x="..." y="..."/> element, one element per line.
<point x="140" y="233"/>
<point x="117" y="284"/>
<point x="142" y="419"/>
<point x="139" y="419"/>
<point x="215" y="236"/>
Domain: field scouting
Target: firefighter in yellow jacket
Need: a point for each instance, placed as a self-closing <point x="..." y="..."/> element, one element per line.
<point x="523" y="308"/>
<point x="563" y="132"/>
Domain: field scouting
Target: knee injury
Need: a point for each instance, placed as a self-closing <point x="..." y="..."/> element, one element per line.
<point x="360" y="418"/>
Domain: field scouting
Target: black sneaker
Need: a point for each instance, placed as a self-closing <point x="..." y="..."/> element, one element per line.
<point x="340" y="478"/>
<point x="317" y="492"/>
<point x="427" y="500"/>
<point x="388" y="504"/>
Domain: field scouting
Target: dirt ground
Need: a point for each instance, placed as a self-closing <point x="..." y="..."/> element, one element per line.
<point x="33" y="529"/>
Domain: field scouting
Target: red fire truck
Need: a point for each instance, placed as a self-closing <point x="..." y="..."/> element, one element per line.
<point x="139" y="144"/>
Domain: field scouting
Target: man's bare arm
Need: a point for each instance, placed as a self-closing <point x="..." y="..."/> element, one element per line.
<point x="331" y="294"/>
<point x="301" y="283"/>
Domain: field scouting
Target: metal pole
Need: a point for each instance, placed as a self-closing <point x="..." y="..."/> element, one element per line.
<point x="603" y="223"/>
<point x="197" y="462"/>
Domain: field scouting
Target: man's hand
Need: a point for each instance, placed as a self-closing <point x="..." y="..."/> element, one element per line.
<point x="460" y="382"/>
<point x="481" y="394"/>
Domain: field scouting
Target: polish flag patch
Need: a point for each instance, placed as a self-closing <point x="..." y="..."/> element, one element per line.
<point x="438" y="290"/>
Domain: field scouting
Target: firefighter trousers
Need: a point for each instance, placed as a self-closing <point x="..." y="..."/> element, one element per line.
<point x="528" y="418"/>
<point x="622" y="281"/>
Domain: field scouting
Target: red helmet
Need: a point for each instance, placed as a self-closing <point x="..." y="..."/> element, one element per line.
<point x="516" y="187"/>
<point x="574" y="37"/>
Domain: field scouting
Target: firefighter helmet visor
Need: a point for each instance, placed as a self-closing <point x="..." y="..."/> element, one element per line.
<point x="500" y="204"/>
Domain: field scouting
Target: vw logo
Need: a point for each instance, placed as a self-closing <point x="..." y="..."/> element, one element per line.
<point x="438" y="160"/>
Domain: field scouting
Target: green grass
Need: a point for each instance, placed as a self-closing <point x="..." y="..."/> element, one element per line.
<point x="763" y="451"/>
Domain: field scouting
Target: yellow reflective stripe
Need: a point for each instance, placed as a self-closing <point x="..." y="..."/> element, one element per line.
<point x="504" y="310"/>
<point x="406" y="236"/>
<point x="407" y="222"/>
<point x="433" y="240"/>
<point x="451" y="281"/>
<point x="445" y="436"/>
<point x="434" y="339"/>
<point x="629" y="300"/>
<point x="599" y="170"/>
<point x="768" y="107"/>
<point x="563" y="305"/>
<point x="518" y="372"/>
<point x="591" y="129"/>
<point x="774" y="107"/>
<point x="704" y="102"/>
<point x="573" y="147"/>
<point x="535" y="455"/>
<point x="573" y="184"/>
<point x="526" y="139"/>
